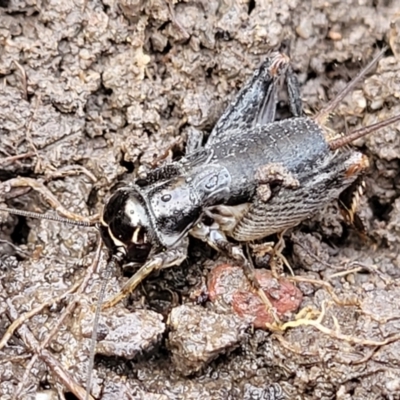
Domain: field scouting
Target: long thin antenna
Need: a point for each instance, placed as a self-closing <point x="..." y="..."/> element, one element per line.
<point x="323" y="114"/>
<point x="358" y="133"/>
<point x="56" y="218"/>
<point x="115" y="260"/>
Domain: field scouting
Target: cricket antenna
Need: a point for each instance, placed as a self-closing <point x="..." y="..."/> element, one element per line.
<point x="358" y="133"/>
<point x="56" y="218"/>
<point x="323" y="114"/>
<point x="116" y="259"/>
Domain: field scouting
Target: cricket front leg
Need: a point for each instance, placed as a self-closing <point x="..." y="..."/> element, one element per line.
<point x="169" y="258"/>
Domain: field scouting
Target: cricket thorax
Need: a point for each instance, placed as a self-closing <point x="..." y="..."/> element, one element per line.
<point x="160" y="214"/>
<point x="177" y="204"/>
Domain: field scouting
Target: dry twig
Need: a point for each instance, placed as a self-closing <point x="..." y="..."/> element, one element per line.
<point x="39" y="348"/>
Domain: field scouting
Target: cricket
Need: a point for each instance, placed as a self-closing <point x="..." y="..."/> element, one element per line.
<point x="252" y="177"/>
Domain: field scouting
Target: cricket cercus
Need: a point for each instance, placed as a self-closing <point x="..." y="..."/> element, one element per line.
<point x="254" y="177"/>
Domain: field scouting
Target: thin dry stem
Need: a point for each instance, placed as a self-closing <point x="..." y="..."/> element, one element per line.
<point x="29" y="314"/>
<point x="79" y="391"/>
<point x="48" y="196"/>
<point x="335" y="333"/>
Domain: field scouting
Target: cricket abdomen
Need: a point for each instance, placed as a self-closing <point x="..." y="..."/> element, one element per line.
<point x="288" y="207"/>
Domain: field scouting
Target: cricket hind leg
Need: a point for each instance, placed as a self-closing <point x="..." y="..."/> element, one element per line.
<point x="256" y="101"/>
<point x="257" y="222"/>
<point x="293" y="89"/>
<point x="349" y="201"/>
<point x="169" y="258"/>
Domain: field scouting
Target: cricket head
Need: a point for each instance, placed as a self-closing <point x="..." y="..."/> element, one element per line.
<point x="126" y="225"/>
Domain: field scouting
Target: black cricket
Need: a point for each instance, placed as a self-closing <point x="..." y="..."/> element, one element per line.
<point x="254" y="177"/>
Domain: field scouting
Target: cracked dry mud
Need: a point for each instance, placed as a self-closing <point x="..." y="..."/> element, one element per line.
<point x="91" y="94"/>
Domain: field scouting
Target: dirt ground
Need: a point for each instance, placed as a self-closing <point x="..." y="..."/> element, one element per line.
<point x="91" y="93"/>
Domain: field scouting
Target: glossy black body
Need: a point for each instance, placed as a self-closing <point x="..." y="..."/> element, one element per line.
<point x="173" y="198"/>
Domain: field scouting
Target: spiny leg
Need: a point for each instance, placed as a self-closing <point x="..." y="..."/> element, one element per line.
<point x="349" y="201"/>
<point x="262" y="253"/>
<point x="256" y="101"/>
<point x="278" y="249"/>
<point x="216" y="239"/>
<point x="169" y="258"/>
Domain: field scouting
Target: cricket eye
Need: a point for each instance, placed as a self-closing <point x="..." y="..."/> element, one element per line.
<point x="166" y="197"/>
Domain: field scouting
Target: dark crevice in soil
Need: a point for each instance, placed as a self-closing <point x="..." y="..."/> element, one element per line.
<point x="381" y="211"/>
<point x="311" y="75"/>
<point x="167" y="48"/>
<point x="93" y="197"/>
<point x="21" y="231"/>
<point x="223" y="35"/>
<point x="70" y="396"/>
<point x="128" y="165"/>
<point x="252" y="6"/>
